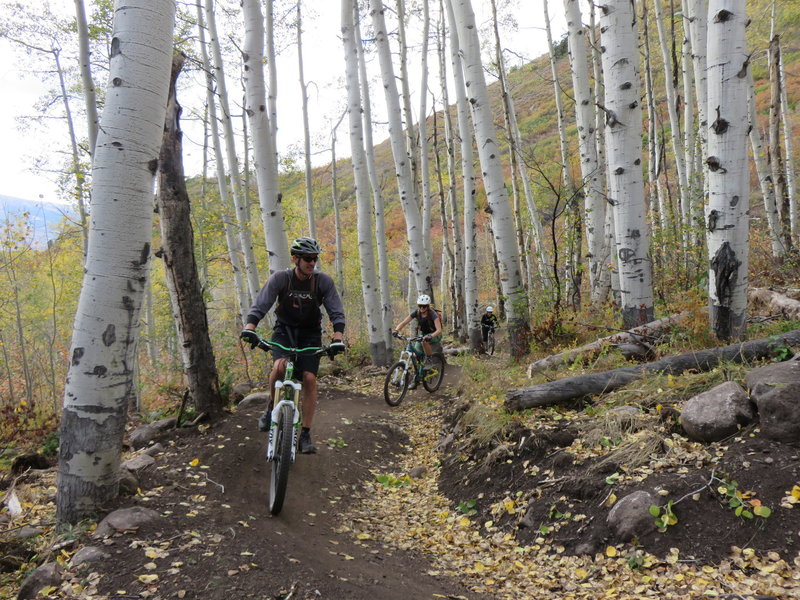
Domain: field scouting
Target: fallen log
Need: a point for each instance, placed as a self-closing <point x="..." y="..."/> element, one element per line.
<point x="553" y="392"/>
<point x="775" y="303"/>
<point x="648" y="334"/>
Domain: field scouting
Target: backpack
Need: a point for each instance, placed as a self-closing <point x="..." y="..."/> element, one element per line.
<point x="441" y="317"/>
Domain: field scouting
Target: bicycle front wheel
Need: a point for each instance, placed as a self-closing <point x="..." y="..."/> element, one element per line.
<point x="490" y="343"/>
<point x="279" y="477"/>
<point x="396" y="384"/>
<point x="434" y="372"/>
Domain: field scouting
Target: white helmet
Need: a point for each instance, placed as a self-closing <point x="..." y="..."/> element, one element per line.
<point x="424" y="299"/>
<point x="489" y="309"/>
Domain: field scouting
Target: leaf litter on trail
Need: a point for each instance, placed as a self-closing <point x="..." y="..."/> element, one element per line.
<point x="418" y="517"/>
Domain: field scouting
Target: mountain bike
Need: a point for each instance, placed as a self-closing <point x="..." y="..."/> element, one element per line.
<point x="412" y="366"/>
<point x="285" y="421"/>
<point x="490" y="340"/>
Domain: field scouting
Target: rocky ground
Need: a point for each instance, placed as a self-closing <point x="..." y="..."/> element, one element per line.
<point x="432" y="500"/>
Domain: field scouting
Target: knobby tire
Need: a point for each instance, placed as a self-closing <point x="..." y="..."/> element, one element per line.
<point x="279" y="477"/>
<point x="490" y="343"/>
<point x="391" y="393"/>
<point x="434" y="373"/>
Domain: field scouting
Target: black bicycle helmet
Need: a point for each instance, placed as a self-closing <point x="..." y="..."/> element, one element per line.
<point x="305" y="245"/>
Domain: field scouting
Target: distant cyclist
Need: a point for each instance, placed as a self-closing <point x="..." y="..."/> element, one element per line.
<point x="299" y="292"/>
<point x="489" y="322"/>
<point x="429" y="326"/>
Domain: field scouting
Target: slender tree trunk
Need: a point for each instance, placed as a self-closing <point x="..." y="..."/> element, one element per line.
<point x="100" y="382"/>
<point x="177" y="250"/>
<point x="468" y="174"/>
<point x="788" y="140"/>
<point x="678" y="149"/>
<point x="594" y="203"/>
<point x="423" y="136"/>
<point x="89" y="95"/>
<point x="369" y="281"/>
<point x="775" y="153"/>
<point x="263" y="141"/>
<point x="502" y="221"/>
<point x="231" y="239"/>
<point x="377" y="193"/>
<point x="764" y="174"/>
<point x="653" y="161"/>
<point x="339" y="264"/>
<point x="420" y="266"/>
<point x="460" y="324"/>
<point x="241" y="206"/>
<point x="312" y="224"/>
<point x="697" y="22"/>
<point x="728" y="173"/>
<point x="624" y="155"/>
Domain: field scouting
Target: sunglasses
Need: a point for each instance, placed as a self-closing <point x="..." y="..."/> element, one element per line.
<point x="310" y="259"/>
<point x="422" y="306"/>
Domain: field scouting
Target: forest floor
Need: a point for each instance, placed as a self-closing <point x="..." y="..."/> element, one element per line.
<point x="515" y="512"/>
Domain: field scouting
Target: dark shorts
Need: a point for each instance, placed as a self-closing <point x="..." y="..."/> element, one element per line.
<point x="303" y="338"/>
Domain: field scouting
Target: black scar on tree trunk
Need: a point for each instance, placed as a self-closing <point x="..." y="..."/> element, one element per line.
<point x="726" y="271"/>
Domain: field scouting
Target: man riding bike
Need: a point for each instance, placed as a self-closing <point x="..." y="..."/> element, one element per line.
<point x="299" y="292"/>
<point x="489" y="321"/>
<point x="429" y="325"/>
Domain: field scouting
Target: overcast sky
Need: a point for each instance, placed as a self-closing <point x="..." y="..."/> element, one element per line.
<point x="323" y="62"/>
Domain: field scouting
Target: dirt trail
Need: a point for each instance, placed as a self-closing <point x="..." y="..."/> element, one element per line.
<point x="219" y="541"/>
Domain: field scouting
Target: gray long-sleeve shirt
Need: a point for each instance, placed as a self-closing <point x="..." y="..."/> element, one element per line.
<point x="299" y="301"/>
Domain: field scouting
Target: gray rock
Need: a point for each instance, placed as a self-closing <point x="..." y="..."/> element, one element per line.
<point x="260" y="399"/>
<point x="46" y="575"/>
<point x="142" y="436"/>
<point x="153" y="450"/>
<point x="26" y="532"/>
<point x="239" y="391"/>
<point x="417" y="472"/>
<point x="137" y="463"/>
<point x="128" y="482"/>
<point x="125" y="519"/>
<point x="164" y="424"/>
<point x="88" y="555"/>
<point x="631" y="516"/>
<point x="762" y="380"/>
<point x="717" y="413"/>
<point x="779" y="412"/>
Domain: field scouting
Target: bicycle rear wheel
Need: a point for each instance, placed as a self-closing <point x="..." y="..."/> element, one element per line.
<point x="490" y="343"/>
<point x="279" y="477"/>
<point x="434" y="372"/>
<point x="396" y="384"/>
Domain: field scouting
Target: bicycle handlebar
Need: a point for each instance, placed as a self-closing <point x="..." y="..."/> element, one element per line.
<point x="417" y="338"/>
<point x="330" y="349"/>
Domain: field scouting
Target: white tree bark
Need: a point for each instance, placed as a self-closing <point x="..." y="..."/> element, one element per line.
<point x="678" y="150"/>
<point x="272" y="98"/>
<point x="624" y="154"/>
<point x="424" y="168"/>
<point x="764" y="174"/>
<point x="419" y="264"/>
<point x="689" y="125"/>
<point x="312" y="222"/>
<point x="489" y="153"/>
<point x="100" y="382"/>
<point x="468" y="175"/>
<point x="263" y="142"/>
<point x="369" y="281"/>
<point x="698" y="35"/>
<point x="89" y="95"/>
<point x="728" y="174"/>
<point x="377" y="194"/>
<point x="452" y="202"/>
<point x="231" y="239"/>
<point x="594" y="203"/>
<point x="788" y="141"/>
<point x="240" y="203"/>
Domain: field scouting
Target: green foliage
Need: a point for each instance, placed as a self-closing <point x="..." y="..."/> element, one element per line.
<point x="336" y="443"/>
<point x="743" y="504"/>
<point x="50" y="444"/>
<point x="390" y="480"/>
<point x="467" y="507"/>
<point x="665" y="515"/>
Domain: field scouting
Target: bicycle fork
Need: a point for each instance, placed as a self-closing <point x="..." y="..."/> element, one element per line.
<point x="276" y="411"/>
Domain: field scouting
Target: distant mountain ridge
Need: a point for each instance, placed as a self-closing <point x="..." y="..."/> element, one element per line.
<point x="43" y="217"/>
